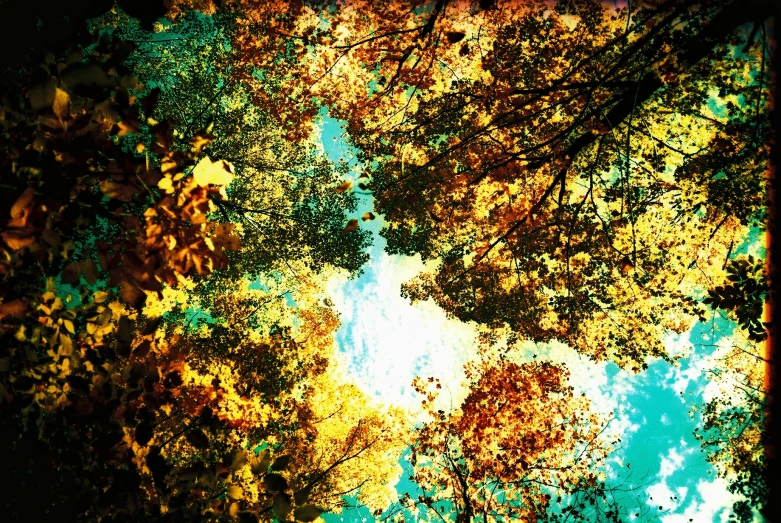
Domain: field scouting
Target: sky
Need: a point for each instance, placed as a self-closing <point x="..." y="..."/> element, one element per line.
<point x="386" y="342"/>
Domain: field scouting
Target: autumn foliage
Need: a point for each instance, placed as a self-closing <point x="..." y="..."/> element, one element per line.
<point x="169" y="224"/>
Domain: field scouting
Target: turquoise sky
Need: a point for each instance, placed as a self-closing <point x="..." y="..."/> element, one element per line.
<point x="659" y="466"/>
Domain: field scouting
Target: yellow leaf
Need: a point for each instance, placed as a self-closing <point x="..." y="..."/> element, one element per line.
<point x="61" y="104"/>
<point x="200" y="141"/>
<point x="209" y="172"/>
<point x="66" y="345"/>
<point x="235" y="492"/>
<point x="166" y="185"/>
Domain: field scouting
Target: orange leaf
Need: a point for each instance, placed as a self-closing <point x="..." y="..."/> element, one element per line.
<point x="344" y="187"/>
<point x="22" y="208"/>
<point x="131" y="294"/>
<point x="18" y="238"/>
<point x="118" y="191"/>
<point x="90" y="271"/>
<point x="72" y="273"/>
<point x="14" y="309"/>
<point x="351" y="226"/>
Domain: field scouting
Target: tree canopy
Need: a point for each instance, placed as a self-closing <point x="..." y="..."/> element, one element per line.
<point x="573" y="172"/>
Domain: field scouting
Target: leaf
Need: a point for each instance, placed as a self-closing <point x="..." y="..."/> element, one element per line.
<point x="368" y="216"/>
<point x="248" y="517"/>
<point x="123" y="192"/>
<point x="61" y="104"/>
<point x="238" y="459"/>
<point x="199" y="141"/>
<point x="280" y="463"/>
<point x="281" y="506"/>
<point x="22" y="208"/>
<point x="107" y="111"/>
<point x="18" y="238"/>
<point x="144" y="433"/>
<point x="274" y="482"/>
<point x="344" y="186"/>
<point x="131" y="294"/>
<point x="626" y="265"/>
<point x="127" y="125"/>
<point x="454" y="36"/>
<point x="125" y="330"/>
<point x="166" y="185"/>
<point x="84" y="77"/>
<point x="215" y="173"/>
<point x="235" y="492"/>
<point x="302" y="495"/>
<point x="260" y="463"/>
<point x="71" y="273"/>
<point x="41" y="95"/>
<point x="307" y="513"/>
<point x="197" y="438"/>
<point x="351" y="226"/>
<point x="13" y="309"/>
<point x="90" y="271"/>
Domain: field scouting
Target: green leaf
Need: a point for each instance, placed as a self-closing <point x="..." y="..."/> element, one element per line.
<point x="89" y="76"/>
<point x="275" y="482"/>
<point x="238" y="459"/>
<point x="280" y="463"/>
<point x="281" y="506"/>
<point x="41" y="95"/>
<point x="302" y="495"/>
<point x="260" y="463"/>
<point x="307" y="513"/>
<point x="197" y="438"/>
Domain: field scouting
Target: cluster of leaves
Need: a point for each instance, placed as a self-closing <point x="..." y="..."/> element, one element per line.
<point x="89" y="212"/>
<point x="112" y="408"/>
<point x="163" y="200"/>
<point x="566" y="193"/>
<point x="520" y="447"/>
<point x="744" y="295"/>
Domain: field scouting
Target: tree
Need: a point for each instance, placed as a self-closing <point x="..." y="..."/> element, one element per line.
<point x="578" y="172"/>
<point x="521" y="446"/>
<point x="734" y="433"/>
<point x="579" y="192"/>
<point x="285" y="192"/>
<point x="114" y="241"/>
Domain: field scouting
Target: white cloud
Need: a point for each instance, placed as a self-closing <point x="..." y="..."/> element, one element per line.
<point x="391" y="341"/>
<point x="712" y="504"/>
